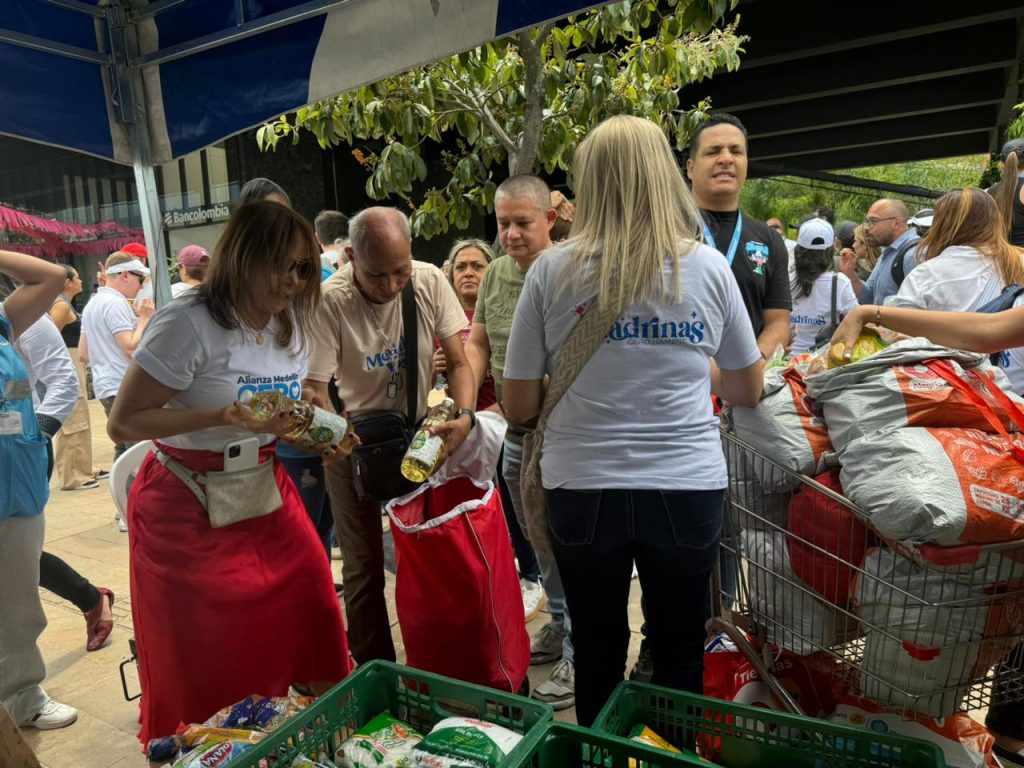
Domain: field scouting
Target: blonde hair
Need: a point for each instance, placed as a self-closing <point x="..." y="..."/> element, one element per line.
<point x="970" y="216"/>
<point x="874" y="251"/>
<point x="633" y="211"/>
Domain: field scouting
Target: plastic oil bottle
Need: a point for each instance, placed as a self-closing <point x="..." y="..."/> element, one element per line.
<point x="423" y="457"/>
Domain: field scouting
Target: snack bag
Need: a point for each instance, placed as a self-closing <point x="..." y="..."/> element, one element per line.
<point x="645" y="735"/>
<point x="215" y="755"/>
<point x="867" y="344"/>
<point x="463" y="742"/>
<point x="384" y="742"/>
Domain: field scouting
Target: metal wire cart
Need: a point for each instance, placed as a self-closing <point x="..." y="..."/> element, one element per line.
<point x="923" y="628"/>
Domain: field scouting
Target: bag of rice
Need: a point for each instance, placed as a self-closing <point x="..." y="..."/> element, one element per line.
<point x="463" y="742"/>
<point x="384" y="742"/>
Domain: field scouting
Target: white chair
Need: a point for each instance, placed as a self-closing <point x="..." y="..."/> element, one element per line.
<point x="121" y="476"/>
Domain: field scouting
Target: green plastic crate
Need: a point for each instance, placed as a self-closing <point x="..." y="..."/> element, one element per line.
<point x="565" y="746"/>
<point x="419" y="698"/>
<point x="738" y="736"/>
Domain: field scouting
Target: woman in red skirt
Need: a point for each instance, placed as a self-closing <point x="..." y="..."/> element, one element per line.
<point x="224" y="612"/>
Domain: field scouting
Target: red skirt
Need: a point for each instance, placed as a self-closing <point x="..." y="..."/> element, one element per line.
<point x="221" y="613"/>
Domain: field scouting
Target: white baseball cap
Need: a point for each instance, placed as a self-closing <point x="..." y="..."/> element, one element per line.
<point x="816" y="235"/>
<point x="128" y="266"/>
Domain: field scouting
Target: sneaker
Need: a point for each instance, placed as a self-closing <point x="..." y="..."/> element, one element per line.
<point x="122" y="525"/>
<point x="559" y="690"/>
<point x="335" y="553"/>
<point x="534" y="598"/>
<point x="102" y="474"/>
<point x="88" y="485"/>
<point x="52" y="715"/>
<point x="546" y="644"/>
<point x="644" y="669"/>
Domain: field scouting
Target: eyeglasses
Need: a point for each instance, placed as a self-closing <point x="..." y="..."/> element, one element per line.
<point x="302" y="269"/>
<point x="870" y="221"/>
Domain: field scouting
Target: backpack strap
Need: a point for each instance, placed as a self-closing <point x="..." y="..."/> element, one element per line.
<point x="898" y="272"/>
<point x="835" y="299"/>
<point x="412" y="348"/>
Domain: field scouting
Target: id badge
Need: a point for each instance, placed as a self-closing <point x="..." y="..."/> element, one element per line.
<point x="10" y="423"/>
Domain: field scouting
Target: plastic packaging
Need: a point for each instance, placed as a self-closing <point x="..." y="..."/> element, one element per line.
<point x="384" y="742"/>
<point x="463" y="742"/>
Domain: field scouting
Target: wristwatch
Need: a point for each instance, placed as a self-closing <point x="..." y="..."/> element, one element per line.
<point x="467" y="412"/>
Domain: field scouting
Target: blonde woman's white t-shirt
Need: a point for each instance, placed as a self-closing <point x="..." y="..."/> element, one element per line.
<point x="639" y="415"/>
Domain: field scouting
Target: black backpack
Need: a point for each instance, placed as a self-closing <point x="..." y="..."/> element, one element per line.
<point x="1001" y="303"/>
<point x="898" y="274"/>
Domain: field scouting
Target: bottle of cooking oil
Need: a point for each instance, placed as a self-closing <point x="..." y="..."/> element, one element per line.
<point x="423" y="457"/>
<point x="311" y="427"/>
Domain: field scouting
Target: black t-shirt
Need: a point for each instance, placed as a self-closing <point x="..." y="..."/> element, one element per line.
<point x="760" y="266"/>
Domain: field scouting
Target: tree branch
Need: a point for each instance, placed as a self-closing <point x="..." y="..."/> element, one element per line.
<point x="533" y="109"/>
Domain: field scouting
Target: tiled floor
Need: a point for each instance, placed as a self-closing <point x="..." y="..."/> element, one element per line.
<point x="80" y="528"/>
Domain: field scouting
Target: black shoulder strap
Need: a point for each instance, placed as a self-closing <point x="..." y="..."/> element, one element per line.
<point x="411" y="343"/>
<point x="898" y="273"/>
<point x="835" y="291"/>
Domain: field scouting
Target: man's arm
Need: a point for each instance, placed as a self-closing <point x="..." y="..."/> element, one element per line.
<point x="41" y="282"/>
<point x="83" y="349"/>
<point x="478" y="353"/>
<point x="776" y="331"/>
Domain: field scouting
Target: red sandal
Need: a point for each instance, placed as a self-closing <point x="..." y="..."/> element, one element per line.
<point x="97" y="630"/>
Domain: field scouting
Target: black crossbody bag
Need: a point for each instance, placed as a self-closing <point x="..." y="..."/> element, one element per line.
<point x="385" y="435"/>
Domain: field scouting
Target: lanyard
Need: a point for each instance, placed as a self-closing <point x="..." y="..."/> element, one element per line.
<point x="731" y="253"/>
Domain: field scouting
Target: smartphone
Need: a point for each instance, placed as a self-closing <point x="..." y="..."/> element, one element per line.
<point x="242" y="454"/>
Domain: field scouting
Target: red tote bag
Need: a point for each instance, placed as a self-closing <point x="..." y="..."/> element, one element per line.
<point x="460" y="607"/>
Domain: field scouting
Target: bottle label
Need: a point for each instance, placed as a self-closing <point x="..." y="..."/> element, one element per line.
<point x="326" y="428"/>
<point x="424" y="448"/>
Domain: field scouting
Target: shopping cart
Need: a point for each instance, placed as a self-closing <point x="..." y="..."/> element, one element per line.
<point x="923" y="629"/>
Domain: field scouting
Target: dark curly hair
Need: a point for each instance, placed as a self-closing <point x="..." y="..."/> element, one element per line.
<point x="810" y="264"/>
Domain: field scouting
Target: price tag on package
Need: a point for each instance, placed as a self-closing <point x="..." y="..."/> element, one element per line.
<point x="10" y="423"/>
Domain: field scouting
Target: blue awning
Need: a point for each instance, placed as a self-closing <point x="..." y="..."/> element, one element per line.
<point x="212" y="68"/>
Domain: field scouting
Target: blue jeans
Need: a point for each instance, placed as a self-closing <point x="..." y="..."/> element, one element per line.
<point x="529" y="569"/>
<point x="673" y="538"/>
<point x="512" y="469"/>
<point x="308" y="475"/>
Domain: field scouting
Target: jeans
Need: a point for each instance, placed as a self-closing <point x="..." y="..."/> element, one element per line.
<point x="21" y="617"/>
<point x="512" y="469"/>
<point x="361" y="537"/>
<point x="308" y="475"/>
<point x="119" y="448"/>
<point x="529" y="569"/>
<point x="673" y="537"/>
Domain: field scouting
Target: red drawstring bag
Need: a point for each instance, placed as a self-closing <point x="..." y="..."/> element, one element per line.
<point x="460" y="606"/>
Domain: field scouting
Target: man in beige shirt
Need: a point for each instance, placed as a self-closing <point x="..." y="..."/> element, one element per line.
<point x="357" y="337"/>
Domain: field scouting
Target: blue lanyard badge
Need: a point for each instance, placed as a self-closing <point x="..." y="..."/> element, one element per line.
<point x="731" y="253"/>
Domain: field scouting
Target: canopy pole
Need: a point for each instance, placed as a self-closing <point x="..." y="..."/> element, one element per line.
<point x="132" y="112"/>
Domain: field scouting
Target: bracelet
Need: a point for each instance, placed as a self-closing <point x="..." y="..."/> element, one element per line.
<point x="878" y="314"/>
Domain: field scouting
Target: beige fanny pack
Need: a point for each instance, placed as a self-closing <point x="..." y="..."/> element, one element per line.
<point x="229" y="497"/>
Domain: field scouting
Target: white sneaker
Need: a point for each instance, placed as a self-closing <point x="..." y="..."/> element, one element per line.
<point x="122" y="524"/>
<point x="52" y="715"/>
<point x="560" y="689"/>
<point x="546" y="645"/>
<point x="534" y="598"/>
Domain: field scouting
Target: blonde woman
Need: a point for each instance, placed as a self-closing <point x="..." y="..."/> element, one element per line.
<point x="632" y="462"/>
<point x="966" y="258"/>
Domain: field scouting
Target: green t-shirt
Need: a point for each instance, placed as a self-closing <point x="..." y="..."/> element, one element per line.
<point x="495" y="306"/>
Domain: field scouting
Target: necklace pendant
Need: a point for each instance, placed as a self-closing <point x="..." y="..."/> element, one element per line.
<point x="259" y="338"/>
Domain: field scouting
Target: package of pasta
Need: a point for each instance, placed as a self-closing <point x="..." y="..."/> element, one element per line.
<point x="384" y="742"/>
<point x="463" y="742"/>
<point x="218" y="753"/>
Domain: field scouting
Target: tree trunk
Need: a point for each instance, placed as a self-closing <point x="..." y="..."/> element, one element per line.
<point x="525" y="159"/>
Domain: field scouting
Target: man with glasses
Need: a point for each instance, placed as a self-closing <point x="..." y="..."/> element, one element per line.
<point x="112" y="328"/>
<point x="885" y="226"/>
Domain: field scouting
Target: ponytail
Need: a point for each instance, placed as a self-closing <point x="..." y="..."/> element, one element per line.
<point x="1007" y="191"/>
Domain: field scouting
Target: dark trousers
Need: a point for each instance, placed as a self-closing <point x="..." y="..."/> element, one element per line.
<point x="360" y="534"/>
<point x="119" y="448"/>
<point x="529" y="568"/>
<point x="308" y="475"/>
<point x="59" y="577"/>
<point x="673" y="538"/>
<point x="1006" y="718"/>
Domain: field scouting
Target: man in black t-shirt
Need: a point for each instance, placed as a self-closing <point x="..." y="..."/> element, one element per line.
<point x="717" y="168"/>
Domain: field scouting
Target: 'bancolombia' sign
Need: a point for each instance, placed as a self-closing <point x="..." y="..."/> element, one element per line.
<point x="190" y="217"/>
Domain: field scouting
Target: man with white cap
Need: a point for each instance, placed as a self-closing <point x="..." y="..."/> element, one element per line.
<point x="192" y="263"/>
<point x="818" y="292"/>
<point x="111" y="330"/>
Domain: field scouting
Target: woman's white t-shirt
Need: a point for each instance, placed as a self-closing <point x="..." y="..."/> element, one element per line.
<point x="639" y="415"/>
<point x="813" y="312"/>
<point x="953" y="281"/>
<point x="1012" y="361"/>
<point x="183" y="348"/>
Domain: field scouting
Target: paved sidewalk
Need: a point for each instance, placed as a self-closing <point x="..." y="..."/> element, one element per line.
<point x="80" y="528"/>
